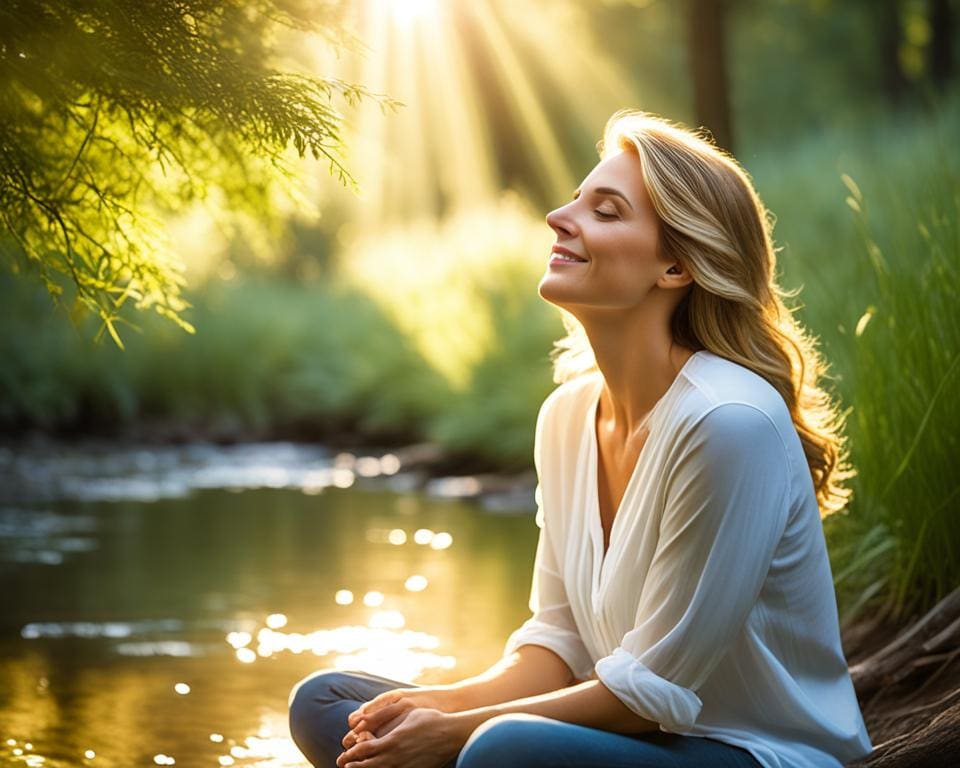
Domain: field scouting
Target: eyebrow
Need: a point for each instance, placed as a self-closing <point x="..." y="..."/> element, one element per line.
<point x="607" y="191"/>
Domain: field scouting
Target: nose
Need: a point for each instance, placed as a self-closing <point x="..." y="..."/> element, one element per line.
<point x="560" y="221"/>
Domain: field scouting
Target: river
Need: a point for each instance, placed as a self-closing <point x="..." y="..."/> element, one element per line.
<point x="160" y="603"/>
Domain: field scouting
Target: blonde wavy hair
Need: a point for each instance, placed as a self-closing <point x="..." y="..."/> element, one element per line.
<point x="713" y="222"/>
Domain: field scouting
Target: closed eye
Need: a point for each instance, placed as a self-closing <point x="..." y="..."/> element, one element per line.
<point x="603" y="215"/>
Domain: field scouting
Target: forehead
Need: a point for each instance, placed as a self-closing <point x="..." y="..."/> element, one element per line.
<point x="622" y="170"/>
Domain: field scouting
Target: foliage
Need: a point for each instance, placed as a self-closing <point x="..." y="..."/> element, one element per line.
<point x="112" y="112"/>
<point x="881" y="286"/>
<point x="273" y="358"/>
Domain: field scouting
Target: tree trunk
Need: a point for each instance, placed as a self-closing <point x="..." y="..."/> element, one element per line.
<point x="941" y="46"/>
<point x="706" y="39"/>
<point x="890" y="38"/>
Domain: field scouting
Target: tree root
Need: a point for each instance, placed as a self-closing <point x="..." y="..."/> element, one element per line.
<point x="921" y="726"/>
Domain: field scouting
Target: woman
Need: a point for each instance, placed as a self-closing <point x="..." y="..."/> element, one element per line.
<point x="683" y="604"/>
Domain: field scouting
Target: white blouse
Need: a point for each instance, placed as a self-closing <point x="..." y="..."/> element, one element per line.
<point x="713" y="612"/>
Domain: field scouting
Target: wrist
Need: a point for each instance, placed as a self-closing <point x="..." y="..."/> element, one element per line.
<point x="466" y="722"/>
<point x="450" y="698"/>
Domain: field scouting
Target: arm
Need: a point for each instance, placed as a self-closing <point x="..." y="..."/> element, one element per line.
<point x="528" y="671"/>
<point x="589" y="703"/>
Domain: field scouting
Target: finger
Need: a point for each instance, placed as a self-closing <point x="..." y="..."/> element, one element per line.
<point x="362" y="750"/>
<point x="370" y="706"/>
<point x="355" y="736"/>
<point x="357" y="715"/>
<point x="376" y="720"/>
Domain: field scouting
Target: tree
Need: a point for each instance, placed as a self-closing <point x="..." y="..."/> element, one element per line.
<point x="941" y="47"/>
<point x="706" y="40"/>
<point x="115" y="111"/>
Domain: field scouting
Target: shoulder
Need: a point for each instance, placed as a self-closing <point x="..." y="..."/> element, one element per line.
<point x="567" y="398"/>
<point x="562" y="416"/>
<point x="731" y="417"/>
<point x="728" y="400"/>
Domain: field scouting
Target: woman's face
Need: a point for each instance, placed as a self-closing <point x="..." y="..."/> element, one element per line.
<point x="612" y="227"/>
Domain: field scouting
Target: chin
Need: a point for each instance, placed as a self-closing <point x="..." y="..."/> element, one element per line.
<point x="551" y="293"/>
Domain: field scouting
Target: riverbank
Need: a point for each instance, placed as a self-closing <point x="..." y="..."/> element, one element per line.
<point x="100" y="469"/>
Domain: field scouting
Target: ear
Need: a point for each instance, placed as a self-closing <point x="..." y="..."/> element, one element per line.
<point x="675" y="276"/>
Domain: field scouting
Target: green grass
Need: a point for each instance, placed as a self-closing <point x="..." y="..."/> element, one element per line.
<point x="870" y="228"/>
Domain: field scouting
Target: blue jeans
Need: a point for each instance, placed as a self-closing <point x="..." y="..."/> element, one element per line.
<point x="320" y="703"/>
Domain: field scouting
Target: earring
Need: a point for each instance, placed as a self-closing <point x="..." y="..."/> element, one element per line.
<point x="672" y="271"/>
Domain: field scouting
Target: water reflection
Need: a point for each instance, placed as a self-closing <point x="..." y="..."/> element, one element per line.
<point x="98" y="472"/>
<point x="382" y="647"/>
<point x="182" y="632"/>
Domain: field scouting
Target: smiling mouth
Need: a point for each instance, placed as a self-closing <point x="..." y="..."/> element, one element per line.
<point x="566" y="256"/>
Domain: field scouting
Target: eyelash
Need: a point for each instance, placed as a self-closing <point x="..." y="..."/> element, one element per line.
<point x="603" y="215"/>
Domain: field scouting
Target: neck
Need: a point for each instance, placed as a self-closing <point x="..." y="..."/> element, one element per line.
<point x="638" y="359"/>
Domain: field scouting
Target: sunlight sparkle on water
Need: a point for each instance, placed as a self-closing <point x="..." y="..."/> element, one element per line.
<point x="389" y="464"/>
<point x="397" y="537"/>
<point x="367" y="466"/>
<point x="373" y="599"/>
<point x="343" y="597"/>
<point x="276" y="621"/>
<point x="216" y="738"/>
<point x="387" y="620"/>
<point x="182" y="688"/>
<point x="441" y="540"/>
<point x="383" y="647"/>
<point x="416" y="583"/>
<point x="246" y="655"/>
<point x="271" y="747"/>
<point x="89" y="754"/>
<point x="423" y="536"/>
<point x="239" y="639"/>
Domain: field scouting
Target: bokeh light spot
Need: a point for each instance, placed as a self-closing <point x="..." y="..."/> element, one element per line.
<point x="276" y="621"/>
<point x="423" y="536"/>
<point x="416" y="583"/>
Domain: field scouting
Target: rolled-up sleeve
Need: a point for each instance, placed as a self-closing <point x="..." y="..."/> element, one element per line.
<point x="552" y="624"/>
<point x="726" y="503"/>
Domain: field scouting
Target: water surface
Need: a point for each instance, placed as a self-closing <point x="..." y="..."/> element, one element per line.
<point x="158" y="605"/>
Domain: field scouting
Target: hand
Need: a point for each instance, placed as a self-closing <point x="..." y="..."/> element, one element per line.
<point x="424" y="738"/>
<point x="382" y="714"/>
<point x="424" y="696"/>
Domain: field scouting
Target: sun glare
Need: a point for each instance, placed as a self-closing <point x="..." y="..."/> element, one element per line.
<point x="406" y="12"/>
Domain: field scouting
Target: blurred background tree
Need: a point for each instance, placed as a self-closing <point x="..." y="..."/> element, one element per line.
<point x="114" y="113"/>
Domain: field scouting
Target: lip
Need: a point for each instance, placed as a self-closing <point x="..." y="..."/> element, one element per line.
<point x="566" y="252"/>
